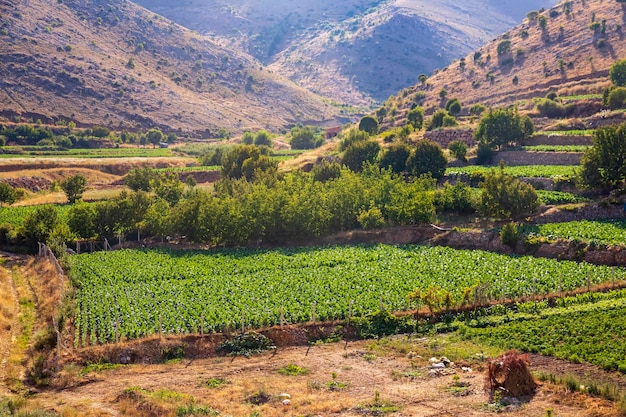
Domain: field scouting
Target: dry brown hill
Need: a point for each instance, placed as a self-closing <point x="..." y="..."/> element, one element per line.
<point x="113" y="63"/>
<point x="567" y="56"/>
<point x="352" y="51"/>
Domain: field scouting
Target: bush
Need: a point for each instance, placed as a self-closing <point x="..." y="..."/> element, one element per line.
<point x="456" y="198"/>
<point x="477" y="109"/>
<point x="552" y="109"/>
<point x="359" y="153"/>
<point x="395" y="157"/>
<point x="369" y="124"/>
<point x="453" y="106"/>
<point x="247" y="344"/>
<point x="484" y="154"/>
<point x="458" y="150"/>
<point x="506" y="197"/>
<point x="509" y="234"/>
<point x="616" y="98"/>
<point x="371" y="219"/>
<point x="427" y="158"/>
<point x="326" y="171"/>
<point x="416" y="117"/>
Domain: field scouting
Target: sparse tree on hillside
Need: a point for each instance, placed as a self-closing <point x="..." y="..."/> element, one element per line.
<point x="458" y="150"/>
<point x="503" y="126"/>
<point x="453" y="106"/>
<point x="416" y="117"/>
<point x="74" y="187"/>
<point x="247" y="138"/>
<point x="618" y="73"/>
<point x="422" y="79"/>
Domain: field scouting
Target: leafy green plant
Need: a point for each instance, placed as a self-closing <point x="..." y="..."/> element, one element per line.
<point x="247" y="344"/>
<point x="293" y="370"/>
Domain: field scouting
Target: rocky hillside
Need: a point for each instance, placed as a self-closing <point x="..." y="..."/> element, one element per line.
<point x="113" y="63"/>
<point x="353" y="51"/>
<point x="568" y="50"/>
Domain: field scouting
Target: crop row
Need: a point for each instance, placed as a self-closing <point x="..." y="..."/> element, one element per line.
<point x="607" y="232"/>
<point x="15" y="216"/>
<point x="594" y="333"/>
<point x="133" y="293"/>
<point x="530" y="171"/>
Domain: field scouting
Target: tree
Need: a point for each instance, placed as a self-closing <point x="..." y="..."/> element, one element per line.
<point x="247" y="138"/>
<point x="369" y="124"/>
<point x="436" y="120"/>
<point x="39" y="224"/>
<point x="453" y="106"/>
<point x="7" y="193"/>
<point x="244" y="161"/>
<point x="140" y="179"/>
<point x="81" y="219"/>
<point x="604" y="164"/>
<point x="422" y="79"/>
<point x="169" y="188"/>
<point x="154" y="136"/>
<point x="618" y="73"/>
<point x="427" y="158"/>
<point x="504" y="196"/>
<point x="74" y="187"/>
<point x="458" y="150"/>
<point x="616" y="98"/>
<point x="416" y="117"/>
<point x="263" y="138"/>
<point x="305" y="138"/>
<point x="395" y="157"/>
<point x="359" y="153"/>
<point x="502" y="126"/>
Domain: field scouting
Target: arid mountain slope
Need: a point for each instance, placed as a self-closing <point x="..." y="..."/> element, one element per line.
<point x="114" y="63"/>
<point x="354" y="51"/>
<point x="572" y="54"/>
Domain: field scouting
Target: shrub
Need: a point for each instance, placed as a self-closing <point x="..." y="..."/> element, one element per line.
<point x="456" y="198"/>
<point x="484" y="154"/>
<point x="458" y="150"/>
<point x="453" y="106"/>
<point x="509" y="234"/>
<point x="427" y="158"/>
<point x="416" y="117"/>
<point x="359" y="153"/>
<point x="616" y="98"/>
<point x="369" y="124"/>
<point x="395" y="157"/>
<point x="506" y="197"/>
<point x="247" y="344"/>
<point x="371" y="219"/>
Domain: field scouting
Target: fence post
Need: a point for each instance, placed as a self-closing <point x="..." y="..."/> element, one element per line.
<point x="243" y="321"/>
<point x="313" y="318"/>
<point x="202" y="324"/>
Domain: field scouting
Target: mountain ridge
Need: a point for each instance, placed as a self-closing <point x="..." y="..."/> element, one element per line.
<point x="114" y="63"/>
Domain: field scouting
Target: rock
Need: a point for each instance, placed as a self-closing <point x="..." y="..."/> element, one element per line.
<point x="286" y="402"/>
<point x="438" y="365"/>
<point x="466" y="369"/>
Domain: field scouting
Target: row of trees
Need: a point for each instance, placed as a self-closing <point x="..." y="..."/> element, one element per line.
<point x="273" y="208"/>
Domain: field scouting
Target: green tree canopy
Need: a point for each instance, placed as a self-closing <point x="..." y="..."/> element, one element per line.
<point x="369" y="124"/>
<point x="503" y="126"/>
<point x="74" y="187"/>
<point x="416" y="117"/>
<point x="140" y="179"/>
<point x="395" y="157"/>
<point x="305" y="138"/>
<point x="360" y="152"/>
<point x="244" y="161"/>
<point x="7" y="193"/>
<point x="263" y="138"/>
<point x="618" y="73"/>
<point x="155" y="136"/>
<point x="453" y="106"/>
<point x="604" y="164"/>
<point x="39" y="224"/>
<point x="504" y="196"/>
<point x="427" y="158"/>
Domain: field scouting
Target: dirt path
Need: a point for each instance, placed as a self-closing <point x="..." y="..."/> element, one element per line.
<point x="397" y="378"/>
<point x="9" y="316"/>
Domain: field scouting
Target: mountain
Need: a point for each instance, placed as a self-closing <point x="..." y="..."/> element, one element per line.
<point x="568" y="50"/>
<point x="353" y="51"/>
<point x="114" y="63"/>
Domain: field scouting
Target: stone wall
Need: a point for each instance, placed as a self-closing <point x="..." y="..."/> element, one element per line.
<point x="512" y="158"/>
<point x="445" y="136"/>
<point x="556" y="140"/>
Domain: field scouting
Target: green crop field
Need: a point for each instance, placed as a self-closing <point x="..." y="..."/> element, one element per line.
<point x="15" y="216"/>
<point x="608" y="232"/>
<point x="14" y="152"/>
<point x="593" y="332"/>
<point x="559" y="197"/>
<point x="145" y="292"/>
<point x="586" y="132"/>
<point x="554" y="148"/>
<point x="531" y="171"/>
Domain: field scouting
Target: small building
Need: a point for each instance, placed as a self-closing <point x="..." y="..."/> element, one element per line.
<point x="332" y="132"/>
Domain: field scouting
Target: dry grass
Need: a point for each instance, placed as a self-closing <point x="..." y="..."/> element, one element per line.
<point x="564" y="57"/>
